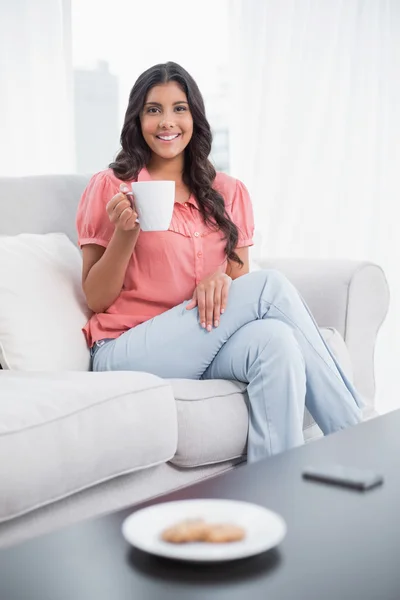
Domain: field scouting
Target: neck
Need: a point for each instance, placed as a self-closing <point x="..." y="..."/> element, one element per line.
<point x="166" y="169"/>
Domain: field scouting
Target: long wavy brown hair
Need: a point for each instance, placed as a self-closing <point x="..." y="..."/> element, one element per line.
<point x="198" y="174"/>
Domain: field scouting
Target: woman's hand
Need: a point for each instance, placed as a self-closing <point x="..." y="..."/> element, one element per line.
<point x="211" y="296"/>
<point x="120" y="211"/>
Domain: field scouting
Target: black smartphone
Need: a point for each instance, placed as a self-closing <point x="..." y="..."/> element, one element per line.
<point x="350" y="477"/>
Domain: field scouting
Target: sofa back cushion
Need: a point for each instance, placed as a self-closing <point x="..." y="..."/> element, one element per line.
<point x="40" y="204"/>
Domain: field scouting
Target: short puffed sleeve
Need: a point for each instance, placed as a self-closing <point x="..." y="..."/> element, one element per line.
<point x="241" y="213"/>
<point x="92" y="222"/>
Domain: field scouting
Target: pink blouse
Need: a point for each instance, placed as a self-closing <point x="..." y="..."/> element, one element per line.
<point x="165" y="266"/>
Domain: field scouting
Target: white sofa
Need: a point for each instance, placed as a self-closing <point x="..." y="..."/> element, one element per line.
<point x="77" y="444"/>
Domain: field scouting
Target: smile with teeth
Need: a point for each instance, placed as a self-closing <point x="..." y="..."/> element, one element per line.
<point x="167" y="138"/>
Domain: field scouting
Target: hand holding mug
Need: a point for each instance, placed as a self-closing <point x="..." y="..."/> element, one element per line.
<point x="120" y="211"/>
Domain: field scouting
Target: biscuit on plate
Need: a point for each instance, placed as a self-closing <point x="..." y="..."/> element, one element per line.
<point x="225" y="532"/>
<point x="197" y="530"/>
<point x="191" y="530"/>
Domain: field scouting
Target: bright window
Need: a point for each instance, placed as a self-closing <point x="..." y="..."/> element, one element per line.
<point x="112" y="46"/>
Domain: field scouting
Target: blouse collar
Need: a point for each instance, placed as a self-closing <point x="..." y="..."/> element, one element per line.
<point x="144" y="175"/>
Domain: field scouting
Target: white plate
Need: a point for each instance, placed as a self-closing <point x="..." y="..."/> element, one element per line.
<point x="264" y="529"/>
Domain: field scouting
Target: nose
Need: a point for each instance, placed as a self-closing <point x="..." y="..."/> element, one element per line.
<point x="166" y="122"/>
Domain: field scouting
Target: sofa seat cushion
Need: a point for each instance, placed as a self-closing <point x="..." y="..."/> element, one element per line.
<point x="212" y="421"/>
<point x="63" y="432"/>
<point x="213" y="415"/>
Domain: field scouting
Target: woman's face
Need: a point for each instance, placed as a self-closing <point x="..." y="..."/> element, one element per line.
<point x="166" y="121"/>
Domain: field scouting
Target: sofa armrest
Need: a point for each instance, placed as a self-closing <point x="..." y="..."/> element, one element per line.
<point x="352" y="297"/>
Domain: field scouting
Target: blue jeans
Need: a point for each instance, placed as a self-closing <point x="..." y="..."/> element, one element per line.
<point x="268" y="339"/>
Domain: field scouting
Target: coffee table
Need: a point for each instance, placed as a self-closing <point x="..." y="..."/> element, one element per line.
<point x="341" y="544"/>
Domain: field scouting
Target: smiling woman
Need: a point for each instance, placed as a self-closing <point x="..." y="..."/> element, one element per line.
<point x="181" y="303"/>
<point x="166" y="100"/>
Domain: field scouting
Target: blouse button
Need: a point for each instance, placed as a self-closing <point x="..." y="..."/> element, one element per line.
<point x="196" y="234"/>
<point x="199" y="254"/>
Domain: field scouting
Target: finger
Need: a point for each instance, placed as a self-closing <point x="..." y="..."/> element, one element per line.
<point x="217" y="303"/>
<point x="121" y="207"/>
<point x="128" y="194"/>
<point x="125" y="216"/>
<point x="210" y="305"/>
<point x="132" y="213"/>
<point x="132" y="222"/>
<point x="134" y="216"/>
<point x="201" y="303"/>
<point x="110" y="206"/>
<point x="114" y="216"/>
<point x="224" y="294"/>
<point x="131" y="198"/>
<point x="193" y="302"/>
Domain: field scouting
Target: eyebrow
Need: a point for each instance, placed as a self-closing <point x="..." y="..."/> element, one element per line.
<point x="158" y="104"/>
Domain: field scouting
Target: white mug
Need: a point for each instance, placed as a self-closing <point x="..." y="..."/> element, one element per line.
<point x="154" y="204"/>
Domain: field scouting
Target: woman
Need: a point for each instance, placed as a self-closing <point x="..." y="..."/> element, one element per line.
<point x="182" y="303"/>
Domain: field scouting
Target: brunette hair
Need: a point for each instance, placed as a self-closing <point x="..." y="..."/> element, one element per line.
<point x="199" y="174"/>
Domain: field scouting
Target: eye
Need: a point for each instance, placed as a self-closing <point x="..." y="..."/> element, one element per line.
<point x="181" y="108"/>
<point x="152" y="110"/>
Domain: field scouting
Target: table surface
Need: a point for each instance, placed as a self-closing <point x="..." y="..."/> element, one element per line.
<point x="340" y="544"/>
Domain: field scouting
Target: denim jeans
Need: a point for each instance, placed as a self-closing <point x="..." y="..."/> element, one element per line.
<point x="266" y="338"/>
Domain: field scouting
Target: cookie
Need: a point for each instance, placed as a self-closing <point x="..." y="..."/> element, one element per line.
<point x="224" y="533"/>
<point x="197" y="530"/>
<point x="192" y="530"/>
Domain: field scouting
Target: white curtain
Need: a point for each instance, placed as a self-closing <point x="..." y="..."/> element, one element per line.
<point x="315" y="134"/>
<point x="36" y="118"/>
